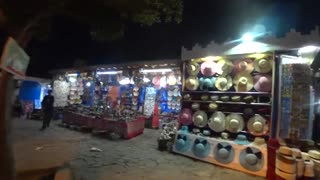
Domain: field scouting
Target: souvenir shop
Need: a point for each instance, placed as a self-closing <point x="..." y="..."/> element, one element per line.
<point x="120" y="99"/>
<point x="251" y="109"/>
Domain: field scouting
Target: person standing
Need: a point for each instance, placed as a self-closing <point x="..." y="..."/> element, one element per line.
<point x="27" y="106"/>
<point x="47" y="108"/>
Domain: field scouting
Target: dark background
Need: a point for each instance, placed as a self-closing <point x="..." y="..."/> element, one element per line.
<point x="203" y="21"/>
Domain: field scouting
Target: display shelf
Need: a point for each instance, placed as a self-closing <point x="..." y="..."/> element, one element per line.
<point x="237" y="112"/>
<point x="233" y="103"/>
<point x="226" y="112"/>
<point x="251" y="136"/>
<point x="229" y="102"/>
<point x="237" y="150"/>
<point x="168" y="116"/>
<point x="232" y="136"/>
<point x="230" y="92"/>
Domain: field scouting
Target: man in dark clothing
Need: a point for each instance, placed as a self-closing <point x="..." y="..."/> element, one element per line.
<point x="47" y="107"/>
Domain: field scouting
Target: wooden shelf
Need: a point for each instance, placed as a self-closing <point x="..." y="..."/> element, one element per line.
<point x="232" y="136"/>
<point x="225" y="112"/>
<point x="168" y="116"/>
<point x="229" y="92"/>
<point x="248" y="134"/>
<point x="233" y="103"/>
<point x="240" y="113"/>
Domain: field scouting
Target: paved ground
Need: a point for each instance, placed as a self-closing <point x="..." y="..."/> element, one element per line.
<point x="137" y="158"/>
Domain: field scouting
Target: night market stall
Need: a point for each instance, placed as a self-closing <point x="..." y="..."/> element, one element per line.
<point x="120" y="97"/>
<point x="226" y="110"/>
<point x="242" y="101"/>
<point x="29" y="94"/>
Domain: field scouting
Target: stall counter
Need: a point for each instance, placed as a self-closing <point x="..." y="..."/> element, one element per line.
<point x="127" y="129"/>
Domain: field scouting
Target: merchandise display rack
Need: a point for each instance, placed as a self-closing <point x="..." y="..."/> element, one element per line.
<point x="210" y="141"/>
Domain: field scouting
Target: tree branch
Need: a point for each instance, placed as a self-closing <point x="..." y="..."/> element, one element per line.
<point x="31" y="24"/>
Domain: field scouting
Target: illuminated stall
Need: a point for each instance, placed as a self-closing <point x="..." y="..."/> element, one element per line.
<point x="126" y="93"/>
<point x="241" y="99"/>
<point x="30" y="93"/>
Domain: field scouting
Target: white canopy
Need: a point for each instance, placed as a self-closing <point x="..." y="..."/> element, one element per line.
<point x="292" y="40"/>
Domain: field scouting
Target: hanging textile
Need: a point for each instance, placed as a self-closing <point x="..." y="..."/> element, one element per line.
<point x="149" y="102"/>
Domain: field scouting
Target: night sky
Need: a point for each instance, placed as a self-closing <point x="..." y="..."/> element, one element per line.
<point x="203" y="21"/>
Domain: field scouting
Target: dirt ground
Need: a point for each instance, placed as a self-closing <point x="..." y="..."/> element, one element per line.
<point x="133" y="159"/>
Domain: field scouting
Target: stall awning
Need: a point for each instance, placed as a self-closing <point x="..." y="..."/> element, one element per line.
<point x="30" y="90"/>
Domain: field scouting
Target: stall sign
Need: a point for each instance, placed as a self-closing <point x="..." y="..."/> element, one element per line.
<point x="14" y="59"/>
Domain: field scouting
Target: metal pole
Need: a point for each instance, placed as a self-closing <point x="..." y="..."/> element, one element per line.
<point x="276" y="97"/>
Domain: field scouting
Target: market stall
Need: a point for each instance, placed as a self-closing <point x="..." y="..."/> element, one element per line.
<point x="120" y="96"/>
<point x="30" y="93"/>
<point x="248" y="106"/>
<point x="226" y="113"/>
<point x="297" y="156"/>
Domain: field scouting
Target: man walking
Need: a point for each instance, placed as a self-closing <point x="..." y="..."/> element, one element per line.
<point x="47" y="107"/>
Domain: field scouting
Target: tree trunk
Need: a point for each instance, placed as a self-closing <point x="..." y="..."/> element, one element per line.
<point x="7" y="162"/>
<point x="6" y="142"/>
